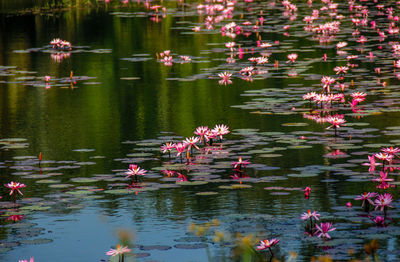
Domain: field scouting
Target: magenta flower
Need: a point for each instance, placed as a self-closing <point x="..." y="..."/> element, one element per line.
<point x="391" y="150"/>
<point x="309" y="215"/>
<point x="15" y="218"/>
<point x="168" y="172"/>
<point x="180" y="147"/>
<point x="383" y="201"/>
<point x="181" y="178"/>
<point x="210" y="135"/>
<point x="134" y="170"/>
<point x="238" y="164"/>
<point x="366" y="196"/>
<point x="383" y="178"/>
<point x="14" y="186"/>
<point x="307" y="192"/>
<point x="371" y="164"/>
<point x="327" y="81"/>
<point x="323" y="229"/>
<point x="379" y="221"/>
<point x="264" y="244"/>
<point x="25" y="260"/>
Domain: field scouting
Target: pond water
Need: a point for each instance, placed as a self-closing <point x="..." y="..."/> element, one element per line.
<point x="112" y="101"/>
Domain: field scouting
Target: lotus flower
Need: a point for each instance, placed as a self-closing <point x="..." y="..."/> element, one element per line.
<point x="323" y="229"/>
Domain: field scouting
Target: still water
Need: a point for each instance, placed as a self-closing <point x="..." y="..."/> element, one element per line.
<point x="122" y="103"/>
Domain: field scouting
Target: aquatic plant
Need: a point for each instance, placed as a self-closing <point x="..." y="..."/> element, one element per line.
<point x="134" y="171"/>
<point x="15" y="186"/>
<point x="119" y="251"/>
<point x="267" y="244"/>
<point x="307" y="192"/>
<point x="25" y="260"/>
<point x="323" y="229"/>
<point x="237" y="165"/>
<point x="61" y="45"/>
<point x="366" y="200"/>
<point x="383" y="201"/>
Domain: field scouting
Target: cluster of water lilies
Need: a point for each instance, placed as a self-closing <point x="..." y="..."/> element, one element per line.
<point x="166" y="58"/>
<point x="312" y="228"/>
<point x="61" y="45"/>
<point x="186" y="147"/>
<point x="204" y="134"/>
<point x="382" y="201"/>
<point x="327" y="100"/>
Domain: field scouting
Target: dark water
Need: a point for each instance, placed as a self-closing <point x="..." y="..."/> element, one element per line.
<point x="122" y="104"/>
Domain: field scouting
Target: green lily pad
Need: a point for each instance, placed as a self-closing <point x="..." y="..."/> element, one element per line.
<point x="37" y="241"/>
<point x="209" y="193"/>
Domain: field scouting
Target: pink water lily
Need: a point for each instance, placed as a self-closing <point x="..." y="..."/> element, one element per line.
<point x="309" y="96"/>
<point x="264" y="244"/>
<point x="225" y="78"/>
<point x="168" y="172"/>
<point x="192" y="141"/>
<point x="384" y="157"/>
<point x="167" y="147"/>
<point x="382" y="178"/>
<point x="15" y="218"/>
<point x="221" y="130"/>
<point x="383" y="201"/>
<point x="238" y="164"/>
<point x="307" y="192"/>
<point x="292" y="58"/>
<point x="25" y="260"/>
<point x="335" y="122"/>
<point x="371" y="164"/>
<point x="201" y="131"/>
<point x="341" y="70"/>
<point x="118" y="251"/>
<point x="180" y="147"/>
<point x="327" y="81"/>
<point x="15" y="186"/>
<point x="309" y="215"/>
<point x="323" y="229"/>
<point x="366" y="197"/>
<point x="379" y="221"/>
<point x="134" y="170"/>
<point x="391" y="150"/>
